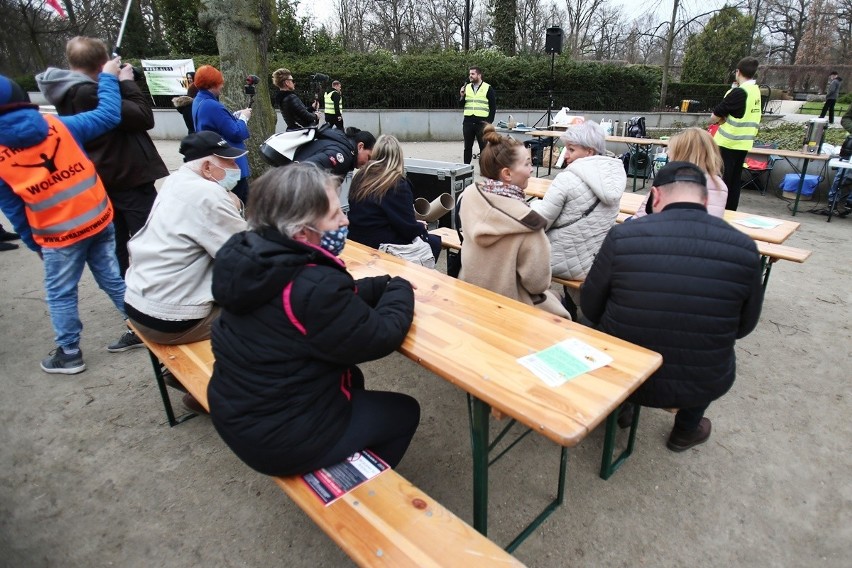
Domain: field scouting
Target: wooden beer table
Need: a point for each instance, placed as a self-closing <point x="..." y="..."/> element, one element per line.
<point x="472" y="338"/>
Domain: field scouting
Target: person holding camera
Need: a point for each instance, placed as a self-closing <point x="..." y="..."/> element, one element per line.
<point x="125" y="157"/>
<point x="209" y="114"/>
<point x="293" y="110"/>
<point x="334" y="105"/>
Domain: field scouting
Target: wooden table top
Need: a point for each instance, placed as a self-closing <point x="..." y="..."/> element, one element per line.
<point x="630" y="203"/>
<point x="472" y="338"/>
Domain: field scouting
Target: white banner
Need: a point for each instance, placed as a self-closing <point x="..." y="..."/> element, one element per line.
<point x="167" y="76"/>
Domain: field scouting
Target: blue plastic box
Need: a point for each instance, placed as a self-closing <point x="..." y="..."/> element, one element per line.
<point x="791" y="183"/>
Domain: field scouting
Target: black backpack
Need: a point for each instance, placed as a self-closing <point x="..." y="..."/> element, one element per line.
<point x="636" y="127"/>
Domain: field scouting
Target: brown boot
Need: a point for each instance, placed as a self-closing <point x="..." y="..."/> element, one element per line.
<point x="682" y="441"/>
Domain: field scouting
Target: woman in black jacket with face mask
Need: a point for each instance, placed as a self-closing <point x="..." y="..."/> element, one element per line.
<point x="286" y="394"/>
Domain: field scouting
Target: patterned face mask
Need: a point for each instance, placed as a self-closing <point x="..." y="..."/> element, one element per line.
<point x="333" y="241"/>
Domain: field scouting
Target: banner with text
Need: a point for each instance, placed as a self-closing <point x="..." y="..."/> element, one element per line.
<point x="167" y="76"/>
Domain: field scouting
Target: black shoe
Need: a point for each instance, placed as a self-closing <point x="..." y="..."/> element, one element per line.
<point x="61" y="363"/>
<point x="8" y="236"/>
<point x="7" y="246"/>
<point x="191" y="403"/>
<point x="682" y="441"/>
<point x="625" y="415"/>
<point x="126" y="342"/>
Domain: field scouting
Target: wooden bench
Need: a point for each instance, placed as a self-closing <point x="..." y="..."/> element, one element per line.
<point x="770" y="253"/>
<point x="386" y="521"/>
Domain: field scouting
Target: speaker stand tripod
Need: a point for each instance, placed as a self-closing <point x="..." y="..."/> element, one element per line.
<point x="549" y="114"/>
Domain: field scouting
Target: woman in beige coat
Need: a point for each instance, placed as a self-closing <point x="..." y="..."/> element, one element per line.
<point x="505" y="249"/>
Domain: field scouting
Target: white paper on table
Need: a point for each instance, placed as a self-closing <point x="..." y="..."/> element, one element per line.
<point x="564" y="361"/>
<point x="758" y="223"/>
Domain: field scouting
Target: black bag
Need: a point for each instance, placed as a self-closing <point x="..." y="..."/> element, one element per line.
<point x="454" y="256"/>
<point x="636" y="127"/>
<point x="846" y="148"/>
<point x="537" y="147"/>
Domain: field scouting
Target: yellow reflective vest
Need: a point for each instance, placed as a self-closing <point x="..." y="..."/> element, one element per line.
<point x="739" y="133"/>
<point x="476" y="104"/>
<point x="329" y="103"/>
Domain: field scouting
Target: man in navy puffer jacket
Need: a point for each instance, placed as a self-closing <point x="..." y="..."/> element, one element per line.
<point x="684" y="284"/>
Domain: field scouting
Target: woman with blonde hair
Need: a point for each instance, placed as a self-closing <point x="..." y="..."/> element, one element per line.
<point x="695" y="145"/>
<point x="505" y="249"/>
<point x="381" y="201"/>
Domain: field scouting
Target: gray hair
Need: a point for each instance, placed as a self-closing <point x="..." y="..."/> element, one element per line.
<point x="588" y="134"/>
<point x="289" y="198"/>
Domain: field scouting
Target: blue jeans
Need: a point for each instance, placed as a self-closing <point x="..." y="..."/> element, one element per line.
<point x="63" y="268"/>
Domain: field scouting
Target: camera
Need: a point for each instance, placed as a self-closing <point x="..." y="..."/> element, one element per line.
<point x="249" y="87"/>
<point x="319" y="78"/>
<point x="138" y="73"/>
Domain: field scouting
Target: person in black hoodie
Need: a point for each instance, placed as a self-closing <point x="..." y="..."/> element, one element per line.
<point x="286" y="394"/>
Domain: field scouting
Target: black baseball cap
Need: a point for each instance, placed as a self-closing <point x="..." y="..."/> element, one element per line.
<point x="208" y="143"/>
<point x="679" y="171"/>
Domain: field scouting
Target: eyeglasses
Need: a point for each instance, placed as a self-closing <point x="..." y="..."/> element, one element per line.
<point x="290" y="79"/>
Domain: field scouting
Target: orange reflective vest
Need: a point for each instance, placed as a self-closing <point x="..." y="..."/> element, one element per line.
<point x="64" y="197"/>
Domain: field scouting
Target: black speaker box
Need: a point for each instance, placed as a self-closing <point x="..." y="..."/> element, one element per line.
<point x="553" y="40"/>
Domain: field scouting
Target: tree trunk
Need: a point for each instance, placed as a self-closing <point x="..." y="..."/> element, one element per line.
<point x="664" y="87"/>
<point x="243" y="30"/>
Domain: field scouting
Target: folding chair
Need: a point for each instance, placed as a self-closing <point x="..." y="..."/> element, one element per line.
<point x="759" y="168"/>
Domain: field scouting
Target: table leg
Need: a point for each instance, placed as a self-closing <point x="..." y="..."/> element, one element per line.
<point x="479" y="417"/>
<point x="801" y="185"/>
<point x="608" y="466"/>
<point x="164" y="393"/>
<point x="834" y="192"/>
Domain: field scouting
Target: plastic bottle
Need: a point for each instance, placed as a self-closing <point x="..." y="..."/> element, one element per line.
<point x="511" y="124"/>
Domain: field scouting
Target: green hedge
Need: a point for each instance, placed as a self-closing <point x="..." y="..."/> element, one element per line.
<point x="382" y="80"/>
<point x="708" y="95"/>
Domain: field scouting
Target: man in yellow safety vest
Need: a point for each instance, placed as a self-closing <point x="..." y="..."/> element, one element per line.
<point x="480" y="106"/>
<point x="738" y="117"/>
<point x="334" y="105"/>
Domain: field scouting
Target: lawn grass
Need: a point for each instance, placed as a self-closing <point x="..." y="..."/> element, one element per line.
<point x="815" y="107"/>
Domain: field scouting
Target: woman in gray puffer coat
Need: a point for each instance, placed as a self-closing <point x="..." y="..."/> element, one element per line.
<point x="583" y="202"/>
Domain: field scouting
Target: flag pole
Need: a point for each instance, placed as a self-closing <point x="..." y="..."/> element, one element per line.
<point x="117" y="51"/>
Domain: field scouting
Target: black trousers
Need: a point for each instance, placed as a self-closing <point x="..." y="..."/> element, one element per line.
<point x="331" y="119"/>
<point x="732" y="162"/>
<point x="472" y="130"/>
<point x="186" y="112"/>
<point x="132" y="207"/>
<point x="828" y="107"/>
<point x="381" y="421"/>
<point x="687" y="419"/>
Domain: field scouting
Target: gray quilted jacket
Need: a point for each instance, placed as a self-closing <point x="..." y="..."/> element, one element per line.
<point x="575" y="229"/>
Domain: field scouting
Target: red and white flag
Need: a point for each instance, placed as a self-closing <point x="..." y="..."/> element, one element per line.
<point x="55" y="6"/>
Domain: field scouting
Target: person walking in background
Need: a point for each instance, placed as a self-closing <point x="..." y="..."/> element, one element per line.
<point x="480" y="106"/>
<point x="183" y="103"/>
<point x="126" y="159"/>
<point x="738" y="117"/>
<point x="684" y="284"/>
<point x="334" y="105"/>
<point x="209" y="114"/>
<point x="50" y="191"/>
<point x="293" y="110"/>
<point x="695" y="145"/>
<point x="831" y="94"/>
